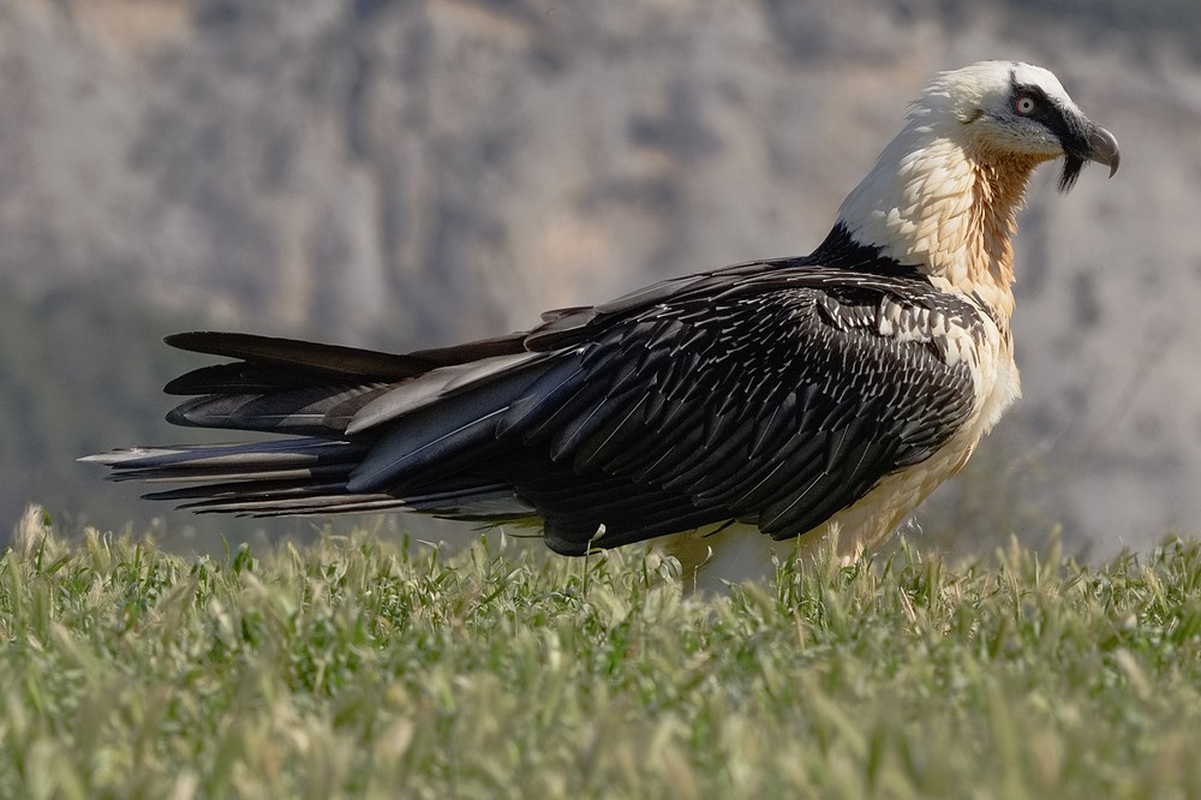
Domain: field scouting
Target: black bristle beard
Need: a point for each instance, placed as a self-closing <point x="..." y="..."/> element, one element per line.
<point x="1072" y="165"/>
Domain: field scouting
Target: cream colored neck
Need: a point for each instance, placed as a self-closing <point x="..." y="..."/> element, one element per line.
<point x="951" y="212"/>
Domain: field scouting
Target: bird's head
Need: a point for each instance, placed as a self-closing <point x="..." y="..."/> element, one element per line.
<point x="1011" y="110"/>
<point x="943" y="196"/>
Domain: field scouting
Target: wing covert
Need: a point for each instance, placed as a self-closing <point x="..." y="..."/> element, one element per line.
<point x="777" y="407"/>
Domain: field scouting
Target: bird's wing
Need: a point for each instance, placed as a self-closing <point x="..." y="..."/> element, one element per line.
<point x="779" y="398"/>
<point x="774" y="393"/>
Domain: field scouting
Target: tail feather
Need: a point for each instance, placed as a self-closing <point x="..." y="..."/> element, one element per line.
<point x="216" y="477"/>
<point x="480" y="501"/>
<point x="300" y="506"/>
<point x="290" y="359"/>
<point x="268" y="363"/>
<point x="299" y="477"/>
<point x="309" y="411"/>
<point x="495" y="505"/>
<point x="434" y="412"/>
<point x="280" y="453"/>
<point x="281" y="487"/>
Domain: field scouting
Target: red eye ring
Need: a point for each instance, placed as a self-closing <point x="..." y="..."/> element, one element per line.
<point x="1024" y="105"/>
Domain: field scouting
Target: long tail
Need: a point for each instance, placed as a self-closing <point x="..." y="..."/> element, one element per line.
<point x="317" y="393"/>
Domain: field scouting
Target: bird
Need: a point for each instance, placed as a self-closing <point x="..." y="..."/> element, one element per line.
<point x="813" y="396"/>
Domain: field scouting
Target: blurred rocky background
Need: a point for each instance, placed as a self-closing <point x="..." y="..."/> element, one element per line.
<point x="401" y="173"/>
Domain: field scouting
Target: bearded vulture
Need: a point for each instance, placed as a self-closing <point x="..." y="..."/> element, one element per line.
<point x="801" y="395"/>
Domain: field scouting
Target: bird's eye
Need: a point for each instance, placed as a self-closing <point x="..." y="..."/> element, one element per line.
<point x="1024" y="105"/>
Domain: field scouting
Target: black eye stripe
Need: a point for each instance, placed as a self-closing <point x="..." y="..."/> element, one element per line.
<point x="1065" y="127"/>
<point x="1046" y="110"/>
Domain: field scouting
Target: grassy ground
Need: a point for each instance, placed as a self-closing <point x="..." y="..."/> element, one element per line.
<point x="352" y="668"/>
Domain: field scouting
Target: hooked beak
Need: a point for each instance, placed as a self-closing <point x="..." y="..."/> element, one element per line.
<point x="1094" y="143"/>
<point x="1103" y="148"/>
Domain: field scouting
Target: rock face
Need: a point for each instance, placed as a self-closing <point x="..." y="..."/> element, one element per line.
<point x="400" y="173"/>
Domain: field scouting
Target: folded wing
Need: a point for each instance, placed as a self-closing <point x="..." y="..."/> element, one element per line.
<point x="766" y="393"/>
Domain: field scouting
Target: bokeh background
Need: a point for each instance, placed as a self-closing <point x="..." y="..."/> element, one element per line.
<point x="402" y="173"/>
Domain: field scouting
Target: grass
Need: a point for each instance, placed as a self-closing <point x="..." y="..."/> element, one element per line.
<point x="356" y="667"/>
